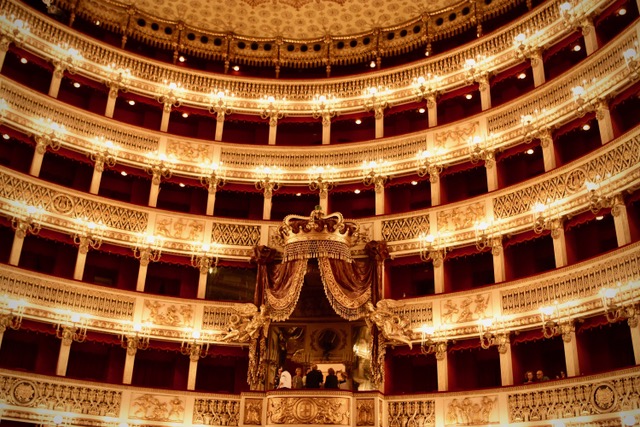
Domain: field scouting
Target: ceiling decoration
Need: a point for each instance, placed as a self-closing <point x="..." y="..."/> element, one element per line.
<point x="289" y="19"/>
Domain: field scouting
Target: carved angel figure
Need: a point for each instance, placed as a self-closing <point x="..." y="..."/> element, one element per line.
<point x="393" y="327"/>
<point x="246" y="323"/>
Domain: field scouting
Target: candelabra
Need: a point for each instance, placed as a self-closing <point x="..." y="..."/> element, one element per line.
<point x="25" y="219"/>
<point x="323" y="106"/>
<point x="633" y="63"/>
<point x="321" y="180"/>
<point x="194" y="345"/>
<point x="88" y="234"/>
<point x="430" y="249"/>
<point x="267" y="179"/>
<point x="488" y="235"/>
<point x="148" y="249"/>
<point x="11" y="312"/>
<point x="271" y="108"/>
<point x="556" y="320"/>
<point x="50" y="132"/>
<point x="171" y="96"/>
<point x="376" y="174"/>
<point x="219" y="105"/>
<point x="72" y="327"/>
<point x="214" y="176"/>
<point x="476" y="71"/>
<point x="427" y="88"/>
<point x="432" y="341"/>
<point x="621" y="303"/>
<point x="546" y="218"/>
<point x="571" y="15"/>
<point x="105" y="154"/>
<point x="159" y="167"/>
<point x="526" y="48"/>
<point x="67" y="58"/>
<point x="586" y="101"/>
<point x="479" y="149"/>
<point x="118" y="80"/>
<point x="375" y="100"/>
<point x="13" y="30"/>
<point x="596" y="200"/>
<point x="493" y="333"/>
<point x="134" y="337"/>
<point x="427" y="164"/>
<point x="204" y="256"/>
<point x="533" y="127"/>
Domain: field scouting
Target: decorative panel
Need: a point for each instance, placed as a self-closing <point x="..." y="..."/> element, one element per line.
<point x="218" y="412"/>
<point x="309" y="410"/>
<point x="413" y="412"/>
<point x="153" y="407"/>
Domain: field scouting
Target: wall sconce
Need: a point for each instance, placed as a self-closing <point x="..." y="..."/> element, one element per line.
<point x="525" y="47"/>
<point x="533" y="127"/>
<point x="15" y="30"/>
<point x="585" y="101"/>
<point x="134" y="337"/>
<point x="321" y="179"/>
<point x="267" y="179"/>
<point x="219" y="104"/>
<point x="271" y="108"/>
<point x="427" y="88"/>
<point x="25" y="219"/>
<point x="11" y="312"/>
<point x="148" y="249"/>
<point x="204" y="256"/>
<point x="88" y="234"/>
<point x="159" y="166"/>
<point x="556" y="320"/>
<point x="546" y="218"/>
<point x="433" y="341"/>
<point x="171" y="96"/>
<point x="73" y="327"/>
<point x="68" y="58"/>
<point x="374" y="99"/>
<point x="570" y="15"/>
<point x="194" y="345"/>
<point x="479" y="150"/>
<point x="492" y="333"/>
<point x="105" y="154"/>
<point x="323" y="106"/>
<point x="214" y="176"/>
<point x="50" y="132"/>
<point x="488" y="234"/>
<point x="431" y="248"/>
<point x="476" y="71"/>
<point x="427" y="164"/>
<point x="596" y="200"/>
<point x="621" y="303"/>
<point x="376" y="174"/>
<point x="631" y="59"/>
<point x="118" y="80"/>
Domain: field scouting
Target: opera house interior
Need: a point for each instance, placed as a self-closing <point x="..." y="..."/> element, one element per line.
<point x="438" y="200"/>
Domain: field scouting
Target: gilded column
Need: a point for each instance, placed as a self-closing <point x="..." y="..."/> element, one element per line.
<point x="485" y="92"/>
<point x="273" y="129"/>
<point x="111" y="100"/>
<point x="621" y="221"/>
<point x="570" y="348"/>
<point x="506" y="364"/>
<point x="379" y="116"/>
<point x="326" y="130"/>
<point x="548" y="151"/>
<point x="559" y="243"/>
<point x="432" y="110"/>
<point x="491" y="170"/>
<point x="56" y="79"/>
<point x="590" y="36"/>
<point x="537" y="67"/>
<point x="605" y="125"/>
<point x="219" y="126"/>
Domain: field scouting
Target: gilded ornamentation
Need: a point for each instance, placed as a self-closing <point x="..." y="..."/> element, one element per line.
<point x="456" y="136"/>
<point x="190" y="151"/>
<point x="365" y="412"/>
<point x="472" y="411"/>
<point x="472" y="307"/>
<point x="217" y="412"/>
<point x="394" y="328"/>
<point x="253" y="412"/>
<point x="235" y="234"/>
<point x="157" y="408"/>
<point x="308" y="410"/>
<point x="417" y="314"/>
<point x="460" y="217"/>
<point x="246" y="323"/>
<point x="420" y="413"/>
<point x="405" y="228"/>
<point x="604" y="397"/>
<point x="167" y="314"/>
<point x="24" y="393"/>
<point x="179" y="228"/>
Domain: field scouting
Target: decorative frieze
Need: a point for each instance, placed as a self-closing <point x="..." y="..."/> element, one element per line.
<point x="405" y="228"/>
<point x="420" y="413"/>
<point x="152" y="407"/>
<point x="167" y="314"/>
<point x="466" y="309"/>
<point x="309" y="410"/>
<point x="220" y="412"/>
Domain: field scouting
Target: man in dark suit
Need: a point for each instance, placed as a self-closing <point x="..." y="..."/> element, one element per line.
<point x="314" y="377"/>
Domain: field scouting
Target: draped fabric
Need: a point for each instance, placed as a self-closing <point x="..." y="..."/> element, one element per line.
<point x="347" y="285"/>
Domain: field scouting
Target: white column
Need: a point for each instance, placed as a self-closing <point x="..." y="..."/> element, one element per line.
<point x="193" y="370"/>
<point x="326" y="129"/>
<point x="485" y="93"/>
<point x="440" y="412"/>
<point x="154" y="191"/>
<point x="559" y="245"/>
<point x="266" y="207"/>
<point x="498" y="262"/>
<point x="166" y="113"/>
<point x="211" y="199"/>
<point x="379" y="115"/>
<point x="432" y="111"/>
<point x="605" y="125"/>
<point x="4" y="48"/>
<point x="537" y="67"/>
<point x="621" y="221"/>
<point x="435" y="192"/>
<point x="590" y="36"/>
<point x="16" y="247"/>
<point x="506" y="365"/>
<point x="324" y="201"/>
<point x="492" y="172"/>
<point x="42" y="142"/>
<point x="142" y="274"/>
<point x="635" y="338"/>
<point x="96" y="177"/>
<point x="63" y="357"/>
<point x="111" y="101"/>
<point x="548" y="151"/>
<point x="56" y="79"/>
<point x="442" y="366"/>
<point x="379" y="189"/>
<point x="571" y="353"/>
<point x="81" y="259"/>
<point x="129" y="361"/>
<point x="273" y="129"/>
<point x="219" y="126"/>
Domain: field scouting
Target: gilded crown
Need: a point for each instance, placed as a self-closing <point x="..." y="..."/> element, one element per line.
<point x="318" y="236"/>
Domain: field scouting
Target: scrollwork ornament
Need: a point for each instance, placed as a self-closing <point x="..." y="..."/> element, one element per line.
<point x="604" y="397"/>
<point x="24" y="393"/>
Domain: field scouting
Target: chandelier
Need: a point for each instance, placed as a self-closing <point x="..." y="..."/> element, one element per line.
<point x="148" y="248"/>
<point x="428" y="165"/>
<point x="72" y="327"/>
<point x="323" y="106"/>
<point x="134" y="337"/>
<point x="159" y="166"/>
<point x="376" y="174"/>
<point x="194" y="345"/>
<point x="219" y="104"/>
<point x="25" y="219"/>
<point x="11" y="312"/>
<point x="546" y="217"/>
<point x="321" y="179"/>
<point x="105" y="153"/>
<point x="556" y="320"/>
<point x="268" y="179"/>
<point x="431" y="248"/>
<point x="488" y="235"/>
<point x="88" y="234"/>
<point x="480" y="149"/>
<point x="493" y="333"/>
<point x="621" y="303"/>
<point x="204" y="257"/>
<point x="433" y="341"/>
<point x="213" y="176"/>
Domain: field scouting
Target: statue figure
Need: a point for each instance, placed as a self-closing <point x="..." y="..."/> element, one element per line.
<point x="247" y="323"/>
<point x="393" y="327"/>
